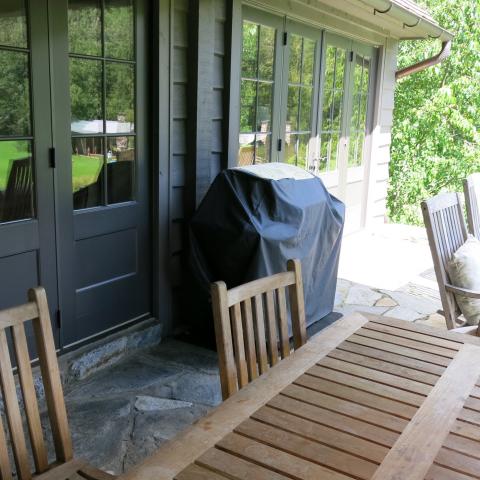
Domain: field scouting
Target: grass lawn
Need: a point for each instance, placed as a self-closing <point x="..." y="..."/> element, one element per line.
<point x="85" y="169"/>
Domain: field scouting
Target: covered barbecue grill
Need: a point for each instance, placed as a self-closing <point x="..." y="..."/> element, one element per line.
<point x="253" y="219"/>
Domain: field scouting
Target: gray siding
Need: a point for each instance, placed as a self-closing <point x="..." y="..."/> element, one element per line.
<point x="382" y="137"/>
<point x="197" y="116"/>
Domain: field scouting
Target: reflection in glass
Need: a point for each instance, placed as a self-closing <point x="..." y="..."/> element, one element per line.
<point x="13" y="23"/>
<point x="120" y="97"/>
<point x="266" y="53"/>
<point x="262" y="150"/>
<point x="256" y="94"/>
<point x="14" y="93"/>
<point x="86" y="96"/>
<point x="249" y="50"/>
<point x="300" y="99"/>
<point x="87" y="172"/>
<point x="16" y="181"/>
<point x="248" y="95"/>
<point x="85" y="27"/>
<point x="358" y="121"/>
<point x="120" y="169"/>
<point x="119" y="29"/>
<point x="332" y="108"/>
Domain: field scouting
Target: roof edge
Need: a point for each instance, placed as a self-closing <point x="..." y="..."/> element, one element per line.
<point x="416" y="22"/>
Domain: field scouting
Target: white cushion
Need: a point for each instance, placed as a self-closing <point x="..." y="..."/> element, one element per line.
<point x="464" y="272"/>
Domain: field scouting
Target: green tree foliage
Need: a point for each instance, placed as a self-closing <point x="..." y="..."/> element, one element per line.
<point x="436" y="132"/>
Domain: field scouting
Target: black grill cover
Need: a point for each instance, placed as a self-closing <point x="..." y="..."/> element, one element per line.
<point x="253" y="219"/>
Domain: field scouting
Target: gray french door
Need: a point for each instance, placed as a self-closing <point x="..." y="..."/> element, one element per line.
<point x="74" y="181"/>
<point x="100" y="124"/>
<point x="27" y="220"/>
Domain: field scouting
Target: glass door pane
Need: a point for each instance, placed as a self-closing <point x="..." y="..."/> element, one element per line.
<point x="16" y="140"/>
<point x="300" y="98"/>
<point x="256" y="93"/>
<point x="332" y="107"/>
<point x="359" y="110"/>
<point x="102" y="98"/>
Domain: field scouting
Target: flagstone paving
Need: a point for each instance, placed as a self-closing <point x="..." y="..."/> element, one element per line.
<point x="123" y="413"/>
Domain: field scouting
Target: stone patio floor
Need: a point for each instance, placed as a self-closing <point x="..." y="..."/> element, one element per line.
<point x="123" y="413"/>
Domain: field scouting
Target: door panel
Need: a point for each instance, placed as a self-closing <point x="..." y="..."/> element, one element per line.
<point x="100" y="130"/>
<point x="27" y="247"/>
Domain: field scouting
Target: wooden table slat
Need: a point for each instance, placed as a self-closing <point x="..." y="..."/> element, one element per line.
<point x="331" y="405"/>
<point x="406" y="342"/>
<point x="383" y="366"/>
<point x="400" y="350"/>
<point x="393" y="359"/>
<point x="367" y="399"/>
<point x="375" y="375"/>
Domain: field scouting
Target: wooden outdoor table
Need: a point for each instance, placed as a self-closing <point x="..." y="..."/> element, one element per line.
<point x="367" y="398"/>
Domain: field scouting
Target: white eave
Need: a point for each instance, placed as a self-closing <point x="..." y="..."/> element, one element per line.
<point x="407" y="20"/>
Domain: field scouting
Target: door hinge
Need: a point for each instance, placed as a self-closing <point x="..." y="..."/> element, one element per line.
<point x="52" y="157"/>
<point x="285" y="38"/>
<point x="58" y="315"/>
<point x="279" y="145"/>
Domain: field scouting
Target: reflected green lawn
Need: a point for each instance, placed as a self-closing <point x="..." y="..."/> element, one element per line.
<point x="85" y="170"/>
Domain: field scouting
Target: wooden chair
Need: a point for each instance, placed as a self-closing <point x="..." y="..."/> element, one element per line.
<point x="65" y="466"/>
<point x="251" y="325"/>
<point x="471" y="189"/>
<point x="447" y="232"/>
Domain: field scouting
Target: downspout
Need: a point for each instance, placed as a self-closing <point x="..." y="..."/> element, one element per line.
<point x="429" y="62"/>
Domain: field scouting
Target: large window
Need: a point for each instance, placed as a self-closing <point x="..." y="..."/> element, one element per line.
<point x="304" y="95"/>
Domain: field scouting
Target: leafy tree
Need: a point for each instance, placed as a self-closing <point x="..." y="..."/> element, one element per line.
<point x="436" y="131"/>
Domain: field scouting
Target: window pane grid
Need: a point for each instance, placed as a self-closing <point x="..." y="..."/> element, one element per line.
<point x="17" y="194"/>
<point x="300" y="98"/>
<point x="110" y="132"/>
<point x="257" y="84"/>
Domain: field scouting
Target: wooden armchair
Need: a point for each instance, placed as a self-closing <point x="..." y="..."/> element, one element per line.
<point x="65" y="466"/>
<point x="447" y="232"/>
<point x="251" y="325"/>
<point x="471" y="189"/>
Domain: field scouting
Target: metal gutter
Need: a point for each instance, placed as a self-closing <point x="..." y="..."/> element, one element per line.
<point x="429" y="62"/>
<point x="413" y="21"/>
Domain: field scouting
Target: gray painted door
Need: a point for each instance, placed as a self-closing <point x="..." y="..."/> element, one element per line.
<point x="100" y="125"/>
<point x="27" y="220"/>
<point x="74" y="182"/>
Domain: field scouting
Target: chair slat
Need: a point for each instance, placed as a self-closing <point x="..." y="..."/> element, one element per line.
<point x="39" y="449"/>
<point x="239" y="345"/>
<point x="260" y="334"/>
<point x="51" y="377"/>
<point x="297" y="305"/>
<point x="246" y="308"/>
<point x="12" y="411"/>
<point x="272" y="334"/>
<point x="283" y="323"/>
<point x="223" y="335"/>
<point x="5" y="469"/>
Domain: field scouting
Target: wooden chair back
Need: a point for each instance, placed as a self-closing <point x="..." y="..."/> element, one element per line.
<point x="251" y="325"/>
<point x="447" y="232"/>
<point x="471" y="189"/>
<point x="14" y="319"/>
